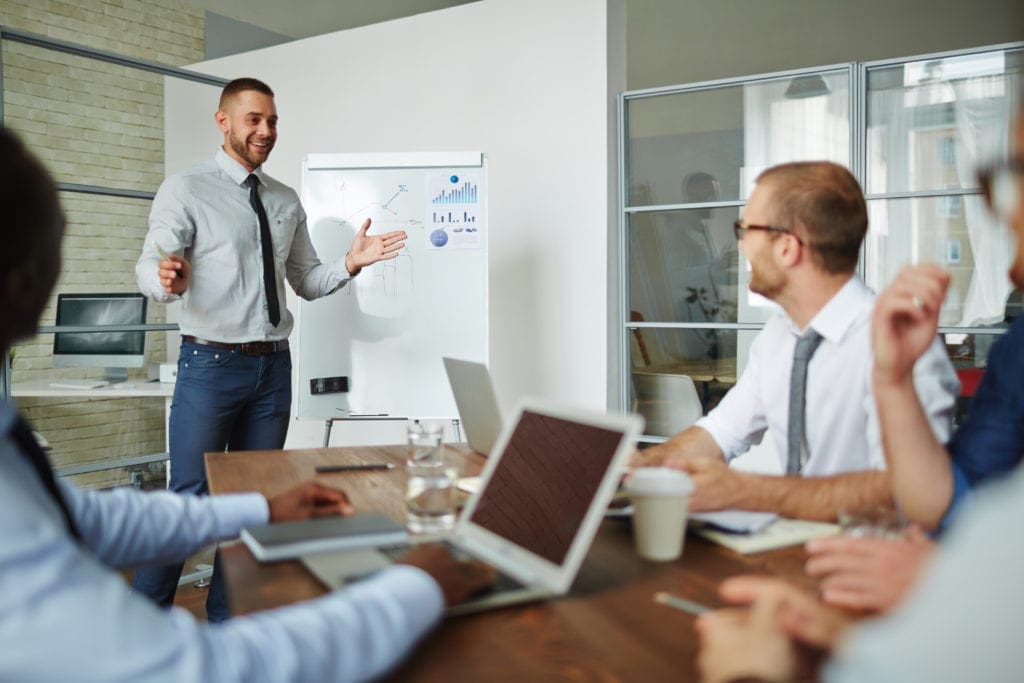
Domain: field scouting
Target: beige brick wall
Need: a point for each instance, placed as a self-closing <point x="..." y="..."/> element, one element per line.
<point x="100" y="124"/>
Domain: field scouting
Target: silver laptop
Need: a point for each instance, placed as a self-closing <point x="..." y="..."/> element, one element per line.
<point x="477" y="404"/>
<point x="544" y="491"/>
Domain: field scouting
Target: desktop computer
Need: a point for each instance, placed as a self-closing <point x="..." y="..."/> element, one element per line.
<point x="114" y="351"/>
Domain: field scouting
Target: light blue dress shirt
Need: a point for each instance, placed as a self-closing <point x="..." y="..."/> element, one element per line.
<point x="203" y="214"/>
<point x="65" y="615"/>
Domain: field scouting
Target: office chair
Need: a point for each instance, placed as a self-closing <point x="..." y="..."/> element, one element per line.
<point x="669" y="403"/>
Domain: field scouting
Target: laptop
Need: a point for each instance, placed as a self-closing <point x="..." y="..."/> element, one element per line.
<point x="477" y="404"/>
<point x="544" y="492"/>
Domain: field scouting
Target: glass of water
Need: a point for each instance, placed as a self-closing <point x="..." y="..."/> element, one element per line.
<point x="431" y="479"/>
<point x="883" y="521"/>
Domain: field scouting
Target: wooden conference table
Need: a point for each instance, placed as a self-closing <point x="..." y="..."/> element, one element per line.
<point x="607" y="629"/>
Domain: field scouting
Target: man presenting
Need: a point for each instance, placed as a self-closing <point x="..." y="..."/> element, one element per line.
<point x="223" y="237"/>
<point x="808" y="377"/>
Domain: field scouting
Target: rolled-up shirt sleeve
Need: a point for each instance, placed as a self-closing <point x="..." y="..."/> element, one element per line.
<point x="739" y="420"/>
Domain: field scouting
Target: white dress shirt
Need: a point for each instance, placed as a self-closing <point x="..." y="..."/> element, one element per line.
<point x="204" y="214"/>
<point x="963" y="621"/>
<point x="65" y="615"/>
<point x="841" y="419"/>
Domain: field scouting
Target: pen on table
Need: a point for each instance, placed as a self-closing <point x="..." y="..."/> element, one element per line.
<point x="680" y="603"/>
<point x="322" y="469"/>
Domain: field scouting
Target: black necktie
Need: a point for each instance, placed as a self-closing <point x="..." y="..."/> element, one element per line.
<point x="30" y="449"/>
<point x="267" y="247"/>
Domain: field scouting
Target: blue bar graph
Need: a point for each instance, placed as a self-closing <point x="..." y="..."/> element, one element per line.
<point x="466" y="194"/>
<point x="449" y="217"/>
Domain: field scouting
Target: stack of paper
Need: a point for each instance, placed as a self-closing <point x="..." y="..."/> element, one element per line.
<point x="756" y="532"/>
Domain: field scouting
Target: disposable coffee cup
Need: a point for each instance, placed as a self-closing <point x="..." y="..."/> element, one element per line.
<point x="660" y="498"/>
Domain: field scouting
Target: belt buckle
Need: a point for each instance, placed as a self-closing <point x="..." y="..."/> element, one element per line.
<point x="262" y="348"/>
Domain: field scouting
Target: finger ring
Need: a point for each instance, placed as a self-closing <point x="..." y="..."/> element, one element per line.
<point x="918" y="304"/>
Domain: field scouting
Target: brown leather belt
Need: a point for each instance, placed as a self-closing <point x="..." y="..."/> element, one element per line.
<point x="258" y="348"/>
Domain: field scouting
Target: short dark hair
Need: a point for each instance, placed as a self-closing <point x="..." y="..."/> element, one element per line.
<point x="241" y="85"/>
<point x="700" y="187"/>
<point x="823" y="204"/>
<point x="31" y="232"/>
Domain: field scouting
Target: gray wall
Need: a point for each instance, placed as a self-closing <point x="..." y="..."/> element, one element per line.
<point x="226" y="36"/>
<point x="671" y="42"/>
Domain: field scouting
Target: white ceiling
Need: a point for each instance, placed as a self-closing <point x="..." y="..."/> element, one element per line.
<point x="307" y="18"/>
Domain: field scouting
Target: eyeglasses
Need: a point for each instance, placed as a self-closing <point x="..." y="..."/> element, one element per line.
<point x="999" y="187"/>
<point x="740" y="229"/>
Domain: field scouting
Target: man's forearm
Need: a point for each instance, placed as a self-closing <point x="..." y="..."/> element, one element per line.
<point x="919" y="466"/>
<point x="691" y="442"/>
<point x="814" y="498"/>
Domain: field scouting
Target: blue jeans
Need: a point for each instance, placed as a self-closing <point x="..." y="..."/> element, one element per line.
<point x="223" y="400"/>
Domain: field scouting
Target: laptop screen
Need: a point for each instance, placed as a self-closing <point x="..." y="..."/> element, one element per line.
<point x="545" y="482"/>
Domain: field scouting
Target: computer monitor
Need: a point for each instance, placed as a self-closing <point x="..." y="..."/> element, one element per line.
<point x="113" y="351"/>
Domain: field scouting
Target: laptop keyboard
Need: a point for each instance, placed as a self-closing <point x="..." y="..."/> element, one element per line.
<point x="503" y="583"/>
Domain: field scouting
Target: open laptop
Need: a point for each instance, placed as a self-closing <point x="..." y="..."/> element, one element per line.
<point x="544" y="492"/>
<point x="477" y="404"/>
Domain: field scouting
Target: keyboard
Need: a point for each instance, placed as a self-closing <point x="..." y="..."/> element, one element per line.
<point x="503" y="583"/>
<point x="78" y="384"/>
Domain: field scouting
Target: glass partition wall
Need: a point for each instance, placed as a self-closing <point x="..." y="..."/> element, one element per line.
<point x="96" y="119"/>
<point x="912" y="131"/>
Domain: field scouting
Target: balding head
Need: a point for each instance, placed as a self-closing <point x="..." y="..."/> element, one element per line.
<point x="822" y="203"/>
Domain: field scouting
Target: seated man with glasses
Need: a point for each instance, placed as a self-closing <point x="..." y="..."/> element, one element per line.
<point x="962" y="622"/>
<point x="808" y="378"/>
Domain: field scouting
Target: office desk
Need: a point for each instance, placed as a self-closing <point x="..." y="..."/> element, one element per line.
<point x="131" y="389"/>
<point x="136" y="389"/>
<point x="607" y="629"/>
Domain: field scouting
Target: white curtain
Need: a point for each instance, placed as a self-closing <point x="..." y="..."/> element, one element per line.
<point x="983" y="108"/>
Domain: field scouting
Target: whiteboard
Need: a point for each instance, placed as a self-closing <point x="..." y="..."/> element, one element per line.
<point x="388" y="329"/>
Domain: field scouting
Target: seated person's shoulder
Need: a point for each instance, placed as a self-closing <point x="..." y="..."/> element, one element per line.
<point x="1008" y="351"/>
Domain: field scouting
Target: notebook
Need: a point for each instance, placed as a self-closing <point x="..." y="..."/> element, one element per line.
<point x="269" y="542"/>
<point x="543" y="494"/>
<point x="477" y="404"/>
<point x="778" y="533"/>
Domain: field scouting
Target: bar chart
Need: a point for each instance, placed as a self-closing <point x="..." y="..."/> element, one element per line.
<point x="455" y="207"/>
<point x="464" y="194"/>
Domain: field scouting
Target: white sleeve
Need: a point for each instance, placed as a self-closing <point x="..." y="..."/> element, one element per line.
<point x="126" y="527"/>
<point x="937" y="388"/>
<point x="739" y="420"/>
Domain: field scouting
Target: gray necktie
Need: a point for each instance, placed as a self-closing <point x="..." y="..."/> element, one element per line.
<point x="797" y="435"/>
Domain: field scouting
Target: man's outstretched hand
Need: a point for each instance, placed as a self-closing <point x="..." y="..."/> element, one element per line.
<point x="309" y="500"/>
<point x="368" y="249"/>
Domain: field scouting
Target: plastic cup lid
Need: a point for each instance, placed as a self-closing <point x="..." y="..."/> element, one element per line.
<point x="659" y="481"/>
